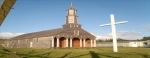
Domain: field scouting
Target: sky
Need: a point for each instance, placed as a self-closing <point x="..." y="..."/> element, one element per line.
<point x="38" y="15"/>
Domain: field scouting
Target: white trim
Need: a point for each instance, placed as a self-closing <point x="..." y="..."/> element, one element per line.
<point x="80" y="42"/>
<point x="66" y="42"/>
<point x="57" y="42"/>
<point x="83" y="42"/>
<point x="31" y="43"/>
<point x="70" y="42"/>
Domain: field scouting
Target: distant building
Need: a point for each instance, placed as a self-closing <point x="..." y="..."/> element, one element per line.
<point x="125" y="44"/>
<point x="71" y="35"/>
<point x="139" y="44"/>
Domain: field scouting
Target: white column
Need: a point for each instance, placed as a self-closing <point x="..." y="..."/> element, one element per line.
<point x="57" y="42"/>
<point x="83" y="42"/>
<point x="52" y="42"/>
<point x="70" y="42"/>
<point x="91" y="43"/>
<point x="80" y="42"/>
<point x="31" y="44"/>
<point x="66" y="42"/>
<point x="94" y="42"/>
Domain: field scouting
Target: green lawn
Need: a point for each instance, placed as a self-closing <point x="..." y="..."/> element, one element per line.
<point x="79" y="53"/>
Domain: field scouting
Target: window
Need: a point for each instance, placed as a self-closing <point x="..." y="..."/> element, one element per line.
<point x="76" y="32"/>
<point x="71" y="19"/>
<point x="71" y="12"/>
<point x="145" y="43"/>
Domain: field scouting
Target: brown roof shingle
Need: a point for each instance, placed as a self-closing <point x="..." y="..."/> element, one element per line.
<point x="39" y="34"/>
<point x="58" y="31"/>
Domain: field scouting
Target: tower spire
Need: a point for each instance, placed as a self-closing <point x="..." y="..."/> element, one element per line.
<point x="71" y="18"/>
<point x="71" y="4"/>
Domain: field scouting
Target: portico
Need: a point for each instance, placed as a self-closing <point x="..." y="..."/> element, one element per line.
<point x="75" y="42"/>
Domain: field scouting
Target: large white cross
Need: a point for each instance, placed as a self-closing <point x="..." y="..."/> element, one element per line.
<point x="114" y="30"/>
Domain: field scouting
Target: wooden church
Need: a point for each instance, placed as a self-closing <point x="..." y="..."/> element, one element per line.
<point x="70" y="35"/>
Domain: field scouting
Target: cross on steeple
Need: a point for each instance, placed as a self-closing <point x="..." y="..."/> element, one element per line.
<point x="71" y="4"/>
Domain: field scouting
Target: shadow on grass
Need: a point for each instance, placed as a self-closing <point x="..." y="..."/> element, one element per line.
<point x="28" y="55"/>
<point x="31" y="52"/>
<point x="3" y="54"/>
<point x="94" y="55"/>
<point x="6" y="50"/>
<point x="144" y="55"/>
<point x="105" y="55"/>
<point x="10" y="53"/>
<point x="65" y="55"/>
<point x="79" y="56"/>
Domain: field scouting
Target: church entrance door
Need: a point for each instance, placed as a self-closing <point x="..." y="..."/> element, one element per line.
<point x="76" y="42"/>
<point x="62" y="42"/>
<point x="87" y="43"/>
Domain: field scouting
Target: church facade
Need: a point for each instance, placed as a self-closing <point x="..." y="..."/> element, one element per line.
<point x="71" y="35"/>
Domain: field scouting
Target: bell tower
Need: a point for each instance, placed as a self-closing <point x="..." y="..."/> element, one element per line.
<point x="71" y="18"/>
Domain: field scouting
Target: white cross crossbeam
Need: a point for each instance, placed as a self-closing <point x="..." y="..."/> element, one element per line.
<point x="112" y="24"/>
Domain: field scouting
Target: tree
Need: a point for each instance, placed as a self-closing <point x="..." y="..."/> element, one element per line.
<point x="146" y="38"/>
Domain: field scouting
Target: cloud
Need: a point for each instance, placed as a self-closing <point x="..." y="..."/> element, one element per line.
<point x="147" y="26"/>
<point x="7" y="35"/>
<point x="121" y="34"/>
<point x="149" y="29"/>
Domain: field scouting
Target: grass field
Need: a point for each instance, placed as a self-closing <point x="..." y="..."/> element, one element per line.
<point x="79" y="53"/>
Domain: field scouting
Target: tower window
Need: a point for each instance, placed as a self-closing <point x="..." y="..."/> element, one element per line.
<point x="71" y="12"/>
<point x="71" y="19"/>
<point x="77" y="32"/>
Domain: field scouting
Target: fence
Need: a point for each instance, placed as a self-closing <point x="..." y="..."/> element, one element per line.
<point x="110" y="44"/>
